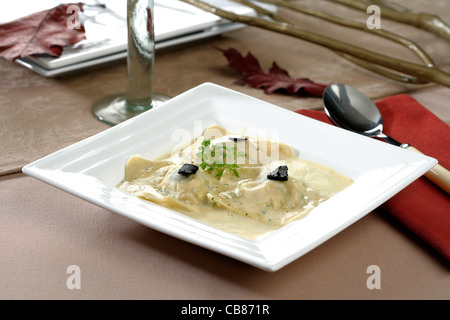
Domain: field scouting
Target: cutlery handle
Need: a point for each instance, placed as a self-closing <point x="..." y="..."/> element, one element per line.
<point x="438" y="174"/>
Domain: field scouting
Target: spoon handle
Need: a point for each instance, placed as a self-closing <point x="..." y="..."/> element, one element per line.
<point x="438" y="174"/>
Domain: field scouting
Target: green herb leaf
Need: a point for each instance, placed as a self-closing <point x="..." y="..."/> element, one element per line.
<point x="214" y="158"/>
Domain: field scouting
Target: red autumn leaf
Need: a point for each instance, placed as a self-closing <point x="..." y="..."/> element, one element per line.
<point x="270" y="80"/>
<point x="46" y="31"/>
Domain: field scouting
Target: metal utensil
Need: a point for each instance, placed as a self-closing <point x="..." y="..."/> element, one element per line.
<point x="350" y="109"/>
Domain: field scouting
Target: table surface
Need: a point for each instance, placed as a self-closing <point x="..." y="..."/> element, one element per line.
<point x="44" y="231"/>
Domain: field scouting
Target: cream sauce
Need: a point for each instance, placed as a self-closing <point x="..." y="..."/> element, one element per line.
<point x="243" y="202"/>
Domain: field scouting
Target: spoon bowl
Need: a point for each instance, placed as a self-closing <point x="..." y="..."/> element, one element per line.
<point x="351" y="109"/>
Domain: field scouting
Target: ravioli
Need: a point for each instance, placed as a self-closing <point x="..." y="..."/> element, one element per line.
<point x="236" y="184"/>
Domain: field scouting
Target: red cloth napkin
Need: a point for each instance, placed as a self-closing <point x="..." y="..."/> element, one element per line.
<point x="422" y="206"/>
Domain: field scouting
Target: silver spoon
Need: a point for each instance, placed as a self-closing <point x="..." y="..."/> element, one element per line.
<point x="350" y="109"/>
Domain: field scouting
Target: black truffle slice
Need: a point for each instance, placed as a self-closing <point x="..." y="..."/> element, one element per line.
<point x="187" y="169"/>
<point x="238" y="138"/>
<point x="279" y="174"/>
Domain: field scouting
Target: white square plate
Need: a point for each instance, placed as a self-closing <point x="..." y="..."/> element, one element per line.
<point x="92" y="168"/>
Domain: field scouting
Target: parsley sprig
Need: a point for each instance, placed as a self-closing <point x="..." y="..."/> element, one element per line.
<point x="214" y="158"/>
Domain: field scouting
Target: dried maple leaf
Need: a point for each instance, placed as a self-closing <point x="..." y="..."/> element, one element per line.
<point x="41" y="32"/>
<point x="270" y="80"/>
